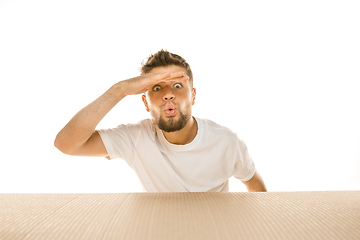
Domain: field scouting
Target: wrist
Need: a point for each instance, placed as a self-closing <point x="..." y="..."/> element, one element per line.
<point x="117" y="91"/>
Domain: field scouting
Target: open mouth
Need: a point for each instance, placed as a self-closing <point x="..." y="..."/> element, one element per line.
<point x="170" y="111"/>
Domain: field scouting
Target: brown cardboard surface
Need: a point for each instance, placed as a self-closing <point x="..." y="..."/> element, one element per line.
<point x="220" y="216"/>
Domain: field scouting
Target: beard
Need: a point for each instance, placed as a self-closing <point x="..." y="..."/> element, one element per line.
<point x="171" y="125"/>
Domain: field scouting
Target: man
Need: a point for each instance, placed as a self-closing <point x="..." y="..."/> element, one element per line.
<point x="173" y="151"/>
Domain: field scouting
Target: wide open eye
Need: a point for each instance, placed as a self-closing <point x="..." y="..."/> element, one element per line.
<point x="177" y="85"/>
<point x="156" y="88"/>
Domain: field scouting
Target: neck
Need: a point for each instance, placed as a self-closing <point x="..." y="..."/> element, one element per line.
<point x="185" y="135"/>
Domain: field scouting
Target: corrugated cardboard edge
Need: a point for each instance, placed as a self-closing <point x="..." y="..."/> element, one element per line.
<point x="273" y="215"/>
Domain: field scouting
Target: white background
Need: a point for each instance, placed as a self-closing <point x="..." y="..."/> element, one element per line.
<point x="284" y="75"/>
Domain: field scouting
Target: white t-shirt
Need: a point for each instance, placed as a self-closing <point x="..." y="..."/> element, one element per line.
<point x="204" y="165"/>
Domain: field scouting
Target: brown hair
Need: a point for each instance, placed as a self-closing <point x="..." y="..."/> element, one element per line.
<point x="164" y="58"/>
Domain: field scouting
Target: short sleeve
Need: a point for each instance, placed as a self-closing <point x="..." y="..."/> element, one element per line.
<point x="244" y="168"/>
<point x="118" y="142"/>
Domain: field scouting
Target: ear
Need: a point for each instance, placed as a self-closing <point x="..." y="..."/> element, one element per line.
<point x="145" y="102"/>
<point x="193" y="95"/>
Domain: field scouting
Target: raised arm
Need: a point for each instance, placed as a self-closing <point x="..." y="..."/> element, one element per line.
<point x="79" y="137"/>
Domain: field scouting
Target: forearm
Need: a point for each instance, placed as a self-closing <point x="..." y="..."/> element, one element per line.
<point x="255" y="184"/>
<point x="79" y="129"/>
<point x="73" y="138"/>
<point x="259" y="188"/>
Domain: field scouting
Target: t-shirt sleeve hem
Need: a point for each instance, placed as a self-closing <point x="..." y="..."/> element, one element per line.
<point x="107" y="143"/>
<point x="250" y="176"/>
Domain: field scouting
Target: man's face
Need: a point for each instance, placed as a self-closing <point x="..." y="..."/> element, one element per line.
<point x="170" y="103"/>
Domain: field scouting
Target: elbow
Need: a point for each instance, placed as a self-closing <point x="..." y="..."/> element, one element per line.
<point x="66" y="146"/>
<point x="59" y="144"/>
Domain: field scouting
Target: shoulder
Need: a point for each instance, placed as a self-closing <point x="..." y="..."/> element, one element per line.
<point x="211" y="126"/>
<point x="213" y="131"/>
<point x="143" y="124"/>
<point x="131" y="128"/>
<point x="221" y="137"/>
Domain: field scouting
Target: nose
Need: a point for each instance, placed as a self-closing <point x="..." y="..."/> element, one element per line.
<point x="168" y="94"/>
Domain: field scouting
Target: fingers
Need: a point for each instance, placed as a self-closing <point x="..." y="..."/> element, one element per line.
<point x="170" y="76"/>
<point x="165" y="77"/>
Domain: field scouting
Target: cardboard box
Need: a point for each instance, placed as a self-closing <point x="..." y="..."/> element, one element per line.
<point x="167" y="216"/>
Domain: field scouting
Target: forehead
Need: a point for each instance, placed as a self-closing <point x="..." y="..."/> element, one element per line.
<point x="170" y="68"/>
